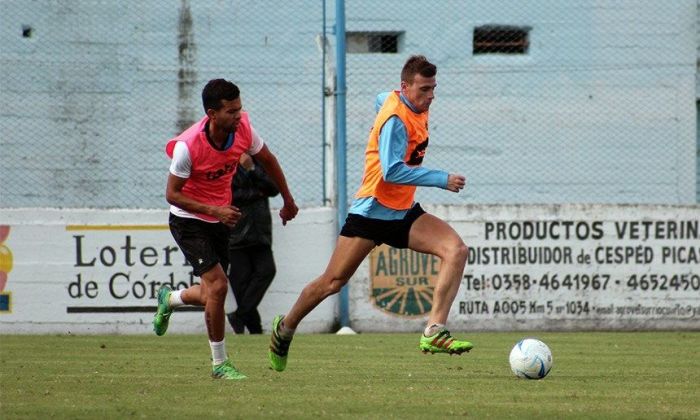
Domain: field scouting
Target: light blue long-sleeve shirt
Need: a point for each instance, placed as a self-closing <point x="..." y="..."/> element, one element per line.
<point x="393" y="142"/>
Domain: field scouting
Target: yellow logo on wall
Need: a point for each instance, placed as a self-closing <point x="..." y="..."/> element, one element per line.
<point x="5" y="268"/>
<point x="402" y="280"/>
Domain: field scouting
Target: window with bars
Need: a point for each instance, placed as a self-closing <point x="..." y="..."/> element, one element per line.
<point x="373" y="42"/>
<point x="501" y="39"/>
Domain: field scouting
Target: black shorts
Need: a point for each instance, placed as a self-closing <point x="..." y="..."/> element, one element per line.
<point x="390" y="232"/>
<point x="204" y="244"/>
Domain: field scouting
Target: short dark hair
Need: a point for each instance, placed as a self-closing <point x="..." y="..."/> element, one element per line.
<point x="417" y="64"/>
<point x="217" y="90"/>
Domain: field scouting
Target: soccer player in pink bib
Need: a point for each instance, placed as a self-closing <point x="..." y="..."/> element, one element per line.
<point x="204" y="160"/>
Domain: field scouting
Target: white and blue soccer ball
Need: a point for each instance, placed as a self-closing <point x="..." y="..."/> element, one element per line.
<point x="530" y="359"/>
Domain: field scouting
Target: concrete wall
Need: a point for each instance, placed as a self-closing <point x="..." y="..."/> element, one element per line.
<point x="568" y="267"/>
<point x="112" y="81"/>
<point x="601" y="108"/>
<point x="602" y="100"/>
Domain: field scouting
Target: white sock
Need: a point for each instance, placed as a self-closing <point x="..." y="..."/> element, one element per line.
<point x="218" y="352"/>
<point x="432" y="329"/>
<point x="175" y="298"/>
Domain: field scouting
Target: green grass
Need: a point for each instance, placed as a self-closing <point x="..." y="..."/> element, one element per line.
<point x="595" y="375"/>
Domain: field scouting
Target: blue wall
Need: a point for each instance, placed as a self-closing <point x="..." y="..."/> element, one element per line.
<point x="601" y="108"/>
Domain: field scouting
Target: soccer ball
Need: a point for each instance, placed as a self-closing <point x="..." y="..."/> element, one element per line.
<point x="531" y="359"/>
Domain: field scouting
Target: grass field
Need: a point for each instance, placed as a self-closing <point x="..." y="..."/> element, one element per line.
<point x="595" y="375"/>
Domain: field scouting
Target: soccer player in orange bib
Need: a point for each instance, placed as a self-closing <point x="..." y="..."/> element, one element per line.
<point x="384" y="211"/>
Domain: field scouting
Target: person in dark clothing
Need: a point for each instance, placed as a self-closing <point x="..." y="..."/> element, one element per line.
<point x="252" y="265"/>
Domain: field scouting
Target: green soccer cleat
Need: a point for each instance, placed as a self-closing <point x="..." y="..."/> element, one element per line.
<point x="279" y="347"/>
<point x="226" y="370"/>
<point x="162" y="316"/>
<point x="443" y="342"/>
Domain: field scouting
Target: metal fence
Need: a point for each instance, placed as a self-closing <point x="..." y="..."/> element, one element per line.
<point x="537" y="102"/>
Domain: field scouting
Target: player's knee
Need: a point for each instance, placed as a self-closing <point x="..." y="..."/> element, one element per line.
<point x="459" y="252"/>
<point x="217" y="289"/>
<point x="463" y="251"/>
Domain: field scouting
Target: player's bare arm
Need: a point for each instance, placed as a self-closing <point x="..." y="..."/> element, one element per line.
<point x="228" y="215"/>
<point x="272" y="167"/>
<point x="455" y="182"/>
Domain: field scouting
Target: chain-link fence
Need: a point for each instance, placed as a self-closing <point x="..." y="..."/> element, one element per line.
<point x="537" y="102"/>
<point x="91" y="91"/>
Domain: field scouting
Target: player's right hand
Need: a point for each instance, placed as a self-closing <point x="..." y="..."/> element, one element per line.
<point x="456" y="182"/>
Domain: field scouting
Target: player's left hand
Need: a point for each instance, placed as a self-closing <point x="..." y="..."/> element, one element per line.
<point x="228" y="215"/>
<point x="288" y="212"/>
